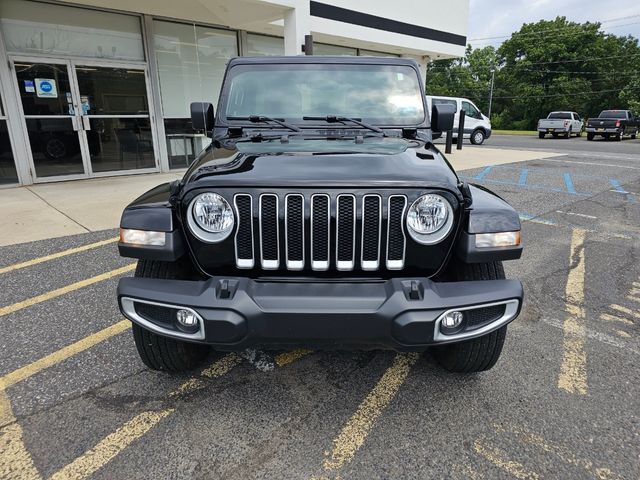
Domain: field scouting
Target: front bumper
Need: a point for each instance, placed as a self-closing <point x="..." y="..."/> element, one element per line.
<point x="401" y="314"/>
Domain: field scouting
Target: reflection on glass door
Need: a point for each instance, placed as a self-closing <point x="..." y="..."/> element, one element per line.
<point x="115" y="116"/>
<point x="46" y="93"/>
<point x="8" y="173"/>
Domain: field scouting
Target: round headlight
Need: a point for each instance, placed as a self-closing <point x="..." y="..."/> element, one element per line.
<point x="430" y="219"/>
<point x="210" y="217"/>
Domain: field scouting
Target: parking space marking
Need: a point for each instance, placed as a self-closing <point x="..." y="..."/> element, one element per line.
<point x="598" y="336"/>
<point x="64" y="290"/>
<point x="634" y="298"/>
<point x="216" y="369"/>
<point x="64" y="353"/>
<point x="625" y="310"/>
<point x="108" y="448"/>
<point x="500" y="459"/>
<point x="15" y="460"/>
<point x="623" y="334"/>
<point x="286" y="358"/>
<point x="574" y="214"/>
<point x="614" y="318"/>
<point x="568" y="182"/>
<point x="355" y="431"/>
<point x="53" y="256"/>
<point x="573" y="370"/>
<point x="563" y="453"/>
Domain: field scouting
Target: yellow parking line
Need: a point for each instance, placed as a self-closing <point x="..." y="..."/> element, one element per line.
<point x="626" y="310"/>
<point x="53" y="256"/>
<point x="562" y="452"/>
<point x="108" y="448"/>
<point x="573" y="371"/>
<point x="217" y="369"/>
<point x="15" y="460"/>
<point x="64" y="353"/>
<point x="355" y="431"/>
<point x="634" y="299"/>
<point x="636" y="284"/>
<point x="614" y="318"/>
<point x="623" y="334"/>
<point x="499" y="459"/>
<point x="64" y="290"/>
<point x="286" y="358"/>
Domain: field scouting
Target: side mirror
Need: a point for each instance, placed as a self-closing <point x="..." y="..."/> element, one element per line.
<point x="202" y="117"/>
<point x="442" y="117"/>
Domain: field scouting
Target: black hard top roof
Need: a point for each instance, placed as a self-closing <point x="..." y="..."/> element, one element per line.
<point x="343" y="59"/>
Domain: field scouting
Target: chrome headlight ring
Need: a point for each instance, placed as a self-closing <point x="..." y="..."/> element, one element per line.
<point x="210" y="217"/>
<point x="439" y="214"/>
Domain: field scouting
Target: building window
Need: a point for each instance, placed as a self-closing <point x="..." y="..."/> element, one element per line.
<point x="263" y="45"/>
<point x="44" y="28"/>
<point x="8" y="172"/>
<point x="191" y="63"/>
<point x="324" y="49"/>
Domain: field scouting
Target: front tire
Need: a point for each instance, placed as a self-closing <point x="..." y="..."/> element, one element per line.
<point x="540" y="135"/>
<point x="590" y="136"/>
<point x="478" y="354"/>
<point x="477" y="137"/>
<point x="159" y="352"/>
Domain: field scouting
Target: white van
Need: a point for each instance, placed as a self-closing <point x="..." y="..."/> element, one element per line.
<point x="477" y="126"/>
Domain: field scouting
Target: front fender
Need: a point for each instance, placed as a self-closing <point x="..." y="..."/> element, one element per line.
<point x="153" y="211"/>
<point x="489" y="213"/>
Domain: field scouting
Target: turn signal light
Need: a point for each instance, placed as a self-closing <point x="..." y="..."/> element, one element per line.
<point x="500" y="239"/>
<point x="142" y="237"/>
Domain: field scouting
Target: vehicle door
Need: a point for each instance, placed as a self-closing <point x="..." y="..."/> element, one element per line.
<point x="473" y="118"/>
<point x="576" y="122"/>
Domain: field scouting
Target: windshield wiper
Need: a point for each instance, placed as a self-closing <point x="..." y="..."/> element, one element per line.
<point x="339" y="119"/>
<point x="263" y="119"/>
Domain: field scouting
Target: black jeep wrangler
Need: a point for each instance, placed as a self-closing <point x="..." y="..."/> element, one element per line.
<point x="320" y="216"/>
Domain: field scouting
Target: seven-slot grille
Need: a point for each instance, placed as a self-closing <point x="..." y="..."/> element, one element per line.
<point x="320" y="231"/>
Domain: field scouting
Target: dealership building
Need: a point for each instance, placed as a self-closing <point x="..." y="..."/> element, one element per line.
<point x="102" y="87"/>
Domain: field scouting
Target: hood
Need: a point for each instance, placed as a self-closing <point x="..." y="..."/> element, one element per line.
<point x="417" y="167"/>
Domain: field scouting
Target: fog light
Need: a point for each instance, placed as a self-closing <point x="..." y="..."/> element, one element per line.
<point x="187" y="318"/>
<point x="452" y="320"/>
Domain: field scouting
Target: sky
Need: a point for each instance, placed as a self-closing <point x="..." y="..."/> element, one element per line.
<point x="493" y="18"/>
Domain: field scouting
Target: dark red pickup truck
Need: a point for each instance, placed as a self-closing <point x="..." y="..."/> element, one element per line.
<point x="613" y="124"/>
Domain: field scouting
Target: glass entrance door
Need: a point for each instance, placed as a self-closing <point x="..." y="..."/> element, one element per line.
<point x="85" y="120"/>
<point x="115" y="118"/>
<point x="48" y="100"/>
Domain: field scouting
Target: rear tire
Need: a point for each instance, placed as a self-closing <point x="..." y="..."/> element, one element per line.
<point x="478" y="354"/>
<point x="590" y="136"/>
<point x="159" y="352"/>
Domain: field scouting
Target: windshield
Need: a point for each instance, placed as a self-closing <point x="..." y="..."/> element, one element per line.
<point x="613" y="114"/>
<point x="560" y="115"/>
<point x="377" y="94"/>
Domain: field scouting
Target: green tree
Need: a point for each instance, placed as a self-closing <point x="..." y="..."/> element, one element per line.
<point x="547" y="65"/>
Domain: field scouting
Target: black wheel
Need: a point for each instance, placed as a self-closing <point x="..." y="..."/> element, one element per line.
<point x="619" y="137"/>
<point x="156" y="351"/>
<point x="590" y="136"/>
<point x="569" y="133"/>
<point x="478" y="354"/>
<point x="579" y="134"/>
<point x="554" y="135"/>
<point x="477" y="137"/>
<point x="540" y="134"/>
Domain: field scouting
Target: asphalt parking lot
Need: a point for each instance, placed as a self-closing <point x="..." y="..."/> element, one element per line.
<point x="563" y="401"/>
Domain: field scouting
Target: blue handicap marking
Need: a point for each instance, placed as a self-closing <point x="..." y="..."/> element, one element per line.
<point x="46" y="87"/>
<point x="524" y="173"/>
<point x="568" y="182"/>
<point x="484" y="172"/>
<point x="620" y="189"/>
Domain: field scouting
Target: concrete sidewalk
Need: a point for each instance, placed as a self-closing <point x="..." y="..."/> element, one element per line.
<point x="54" y="210"/>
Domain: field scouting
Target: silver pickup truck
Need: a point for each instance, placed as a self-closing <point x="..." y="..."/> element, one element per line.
<point x="560" y="123"/>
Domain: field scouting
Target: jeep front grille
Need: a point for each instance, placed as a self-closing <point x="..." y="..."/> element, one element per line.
<point x="320" y="231"/>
